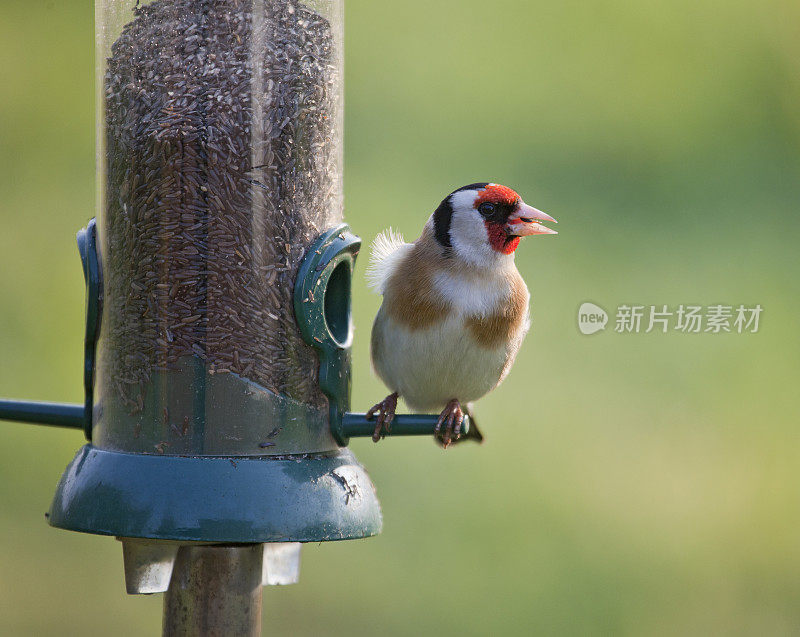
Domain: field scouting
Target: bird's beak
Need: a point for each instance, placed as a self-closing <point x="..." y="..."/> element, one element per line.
<point x="523" y="221"/>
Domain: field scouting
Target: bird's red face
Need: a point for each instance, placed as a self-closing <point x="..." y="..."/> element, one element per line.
<point x="486" y="219"/>
<point x="507" y="218"/>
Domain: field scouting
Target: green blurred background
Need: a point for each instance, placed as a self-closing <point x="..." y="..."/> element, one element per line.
<point x="630" y="484"/>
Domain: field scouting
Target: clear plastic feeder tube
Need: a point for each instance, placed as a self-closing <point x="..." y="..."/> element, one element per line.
<point x="219" y="159"/>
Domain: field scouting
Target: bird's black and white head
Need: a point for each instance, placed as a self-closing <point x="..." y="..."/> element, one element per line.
<point x="483" y="223"/>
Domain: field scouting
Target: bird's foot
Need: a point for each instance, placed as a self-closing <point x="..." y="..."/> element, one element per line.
<point x="452" y="417"/>
<point x="385" y="410"/>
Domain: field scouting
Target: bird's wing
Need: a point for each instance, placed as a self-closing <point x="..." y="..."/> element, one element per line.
<point x="388" y="250"/>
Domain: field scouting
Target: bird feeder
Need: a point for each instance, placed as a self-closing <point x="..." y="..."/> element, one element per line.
<point x="218" y="331"/>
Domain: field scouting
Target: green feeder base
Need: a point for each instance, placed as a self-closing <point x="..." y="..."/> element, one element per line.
<point x="225" y="499"/>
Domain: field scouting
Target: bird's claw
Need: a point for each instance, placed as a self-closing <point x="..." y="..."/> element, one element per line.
<point x="385" y="410"/>
<point x="452" y="417"/>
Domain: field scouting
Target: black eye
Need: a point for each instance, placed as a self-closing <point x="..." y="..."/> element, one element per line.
<point x="486" y="209"/>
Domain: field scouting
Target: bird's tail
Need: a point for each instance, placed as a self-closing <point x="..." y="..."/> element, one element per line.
<point x="387" y="249"/>
<point x="474" y="433"/>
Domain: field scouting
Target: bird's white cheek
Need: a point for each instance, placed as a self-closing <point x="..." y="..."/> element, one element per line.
<point x="470" y="239"/>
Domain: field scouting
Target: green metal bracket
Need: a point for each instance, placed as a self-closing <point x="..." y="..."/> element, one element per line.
<point x="64" y="414"/>
<point x="87" y="246"/>
<point x="322" y="309"/>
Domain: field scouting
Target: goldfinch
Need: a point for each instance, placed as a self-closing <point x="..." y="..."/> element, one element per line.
<point x="455" y="308"/>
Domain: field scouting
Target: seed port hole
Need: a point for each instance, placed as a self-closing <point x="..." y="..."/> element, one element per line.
<point x="337" y="304"/>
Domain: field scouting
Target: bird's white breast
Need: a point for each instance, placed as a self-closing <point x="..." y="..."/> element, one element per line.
<point x="429" y="367"/>
<point x="432" y="365"/>
<point x="473" y="296"/>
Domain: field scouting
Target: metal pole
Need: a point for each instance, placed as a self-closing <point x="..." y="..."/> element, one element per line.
<point x="56" y="414"/>
<point x="215" y="591"/>
<point x="356" y="425"/>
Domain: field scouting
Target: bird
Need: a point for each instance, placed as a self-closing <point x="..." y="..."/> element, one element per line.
<point x="455" y="308"/>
